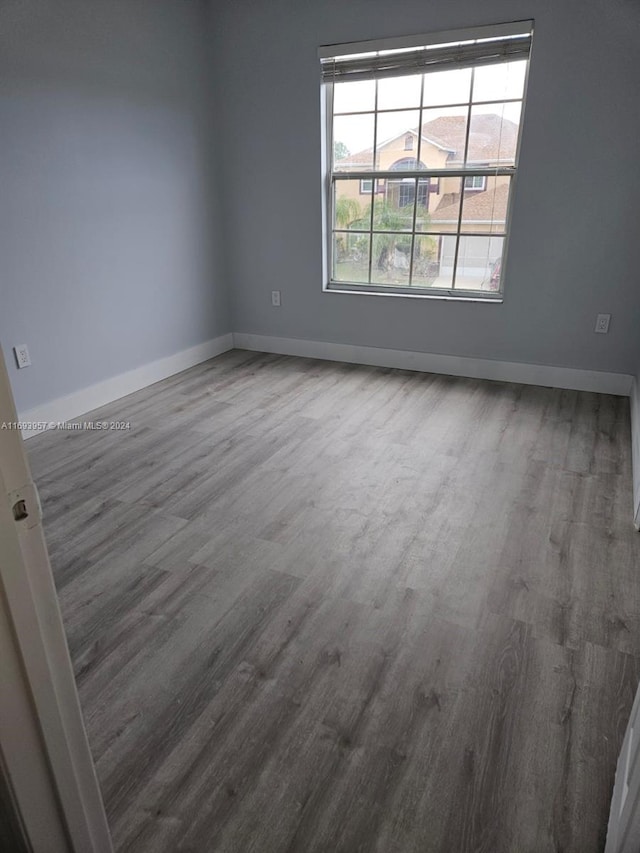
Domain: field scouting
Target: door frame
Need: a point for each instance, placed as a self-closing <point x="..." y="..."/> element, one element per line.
<point x="43" y="743"/>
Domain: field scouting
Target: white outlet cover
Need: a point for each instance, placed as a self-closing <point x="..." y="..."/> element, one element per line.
<point x="23" y="359"/>
<point x="602" y="323"/>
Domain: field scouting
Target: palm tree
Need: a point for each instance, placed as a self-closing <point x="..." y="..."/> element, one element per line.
<point x="347" y="213"/>
<point x="388" y="217"/>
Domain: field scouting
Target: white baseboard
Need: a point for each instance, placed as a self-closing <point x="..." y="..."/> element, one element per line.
<point x="635" y="448"/>
<point x="71" y="406"/>
<point x="79" y="402"/>
<point x="453" y="365"/>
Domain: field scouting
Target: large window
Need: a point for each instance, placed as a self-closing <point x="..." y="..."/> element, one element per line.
<point x="434" y="222"/>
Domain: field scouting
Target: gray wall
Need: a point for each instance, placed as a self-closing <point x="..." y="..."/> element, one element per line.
<point x="139" y="194"/>
<point x="574" y="248"/>
<point x="108" y="228"/>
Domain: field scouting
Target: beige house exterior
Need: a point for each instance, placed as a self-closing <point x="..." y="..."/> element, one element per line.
<point x="492" y="142"/>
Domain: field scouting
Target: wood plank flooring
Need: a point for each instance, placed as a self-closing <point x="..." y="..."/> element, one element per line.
<point x="319" y="607"/>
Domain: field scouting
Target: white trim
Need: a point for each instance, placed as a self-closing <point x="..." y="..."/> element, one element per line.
<point x="515" y="28"/>
<point x="635" y="448"/>
<point x="42" y="736"/>
<point x="452" y="365"/>
<point x="86" y="399"/>
<point x="404" y="133"/>
<point x="353" y="289"/>
<point x="432" y="141"/>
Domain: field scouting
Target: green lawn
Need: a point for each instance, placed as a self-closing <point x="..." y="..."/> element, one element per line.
<point x="354" y="271"/>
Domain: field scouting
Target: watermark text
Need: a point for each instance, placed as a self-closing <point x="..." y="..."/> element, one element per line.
<point x="71" y="426"/>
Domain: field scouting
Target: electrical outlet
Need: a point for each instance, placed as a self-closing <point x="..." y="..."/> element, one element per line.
<point x="275" y="298"/>
<point x="602" y="323"/>
<point x="21" y="353"/>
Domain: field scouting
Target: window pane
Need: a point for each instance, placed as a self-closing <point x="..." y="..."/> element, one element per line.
<point x="351" y="256"/>
<point x="485" y="209"/>
<point x="427" y="200"/>
<point x="393" y="205"/>
<point x="354" y="97"/>
<point x="447" y="87"/>
<point x="479" y="263"/>
<point x="397" y="140"/>
<point x="444" y="207"/>
<point x="446" y="260"/>
<point x="353" y="143"/>
<point x="493" y="134"/>
<point x="390" y="259"/>
<point x="352" y="207"/>
<point x="499" y="82"/>
<point x="394" y="93"/>
<point x="443" y="136"/>
<point x="430" y="262"/>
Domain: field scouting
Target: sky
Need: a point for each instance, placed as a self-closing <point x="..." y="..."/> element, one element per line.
<point x="491" y="83"/>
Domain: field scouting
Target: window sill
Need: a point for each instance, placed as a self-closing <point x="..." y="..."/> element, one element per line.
<point x="366" y="290"/>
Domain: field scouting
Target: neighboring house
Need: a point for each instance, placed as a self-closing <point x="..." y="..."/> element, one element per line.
<point x="492" y="142"/>
<point x="483" y="212"/>
<point x="399" y="154"/>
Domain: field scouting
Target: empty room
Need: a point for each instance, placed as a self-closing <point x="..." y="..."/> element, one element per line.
<point x="319" y="426"/>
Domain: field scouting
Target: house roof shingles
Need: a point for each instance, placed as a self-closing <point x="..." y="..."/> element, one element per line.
<point x="484" y="206"/>
<point x="491" y="137"/>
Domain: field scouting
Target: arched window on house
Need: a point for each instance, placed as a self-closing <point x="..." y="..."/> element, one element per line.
<point x="401" y="192"/>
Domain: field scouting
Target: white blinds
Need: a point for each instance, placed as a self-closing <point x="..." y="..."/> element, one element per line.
<point x="341" y="66"/>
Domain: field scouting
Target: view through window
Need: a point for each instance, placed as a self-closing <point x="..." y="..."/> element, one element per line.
<point x="423" y="144"/>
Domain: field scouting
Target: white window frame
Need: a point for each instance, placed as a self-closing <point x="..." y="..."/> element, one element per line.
<point x="438" y="41"/>
<point x="472" y="183"/>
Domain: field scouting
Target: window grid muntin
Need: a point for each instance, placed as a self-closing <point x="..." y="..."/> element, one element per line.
<point x="464" y="160"/>
<point x="416" y="190"/>
<point x="373" y="195"/>
<point x="483" y="103"/>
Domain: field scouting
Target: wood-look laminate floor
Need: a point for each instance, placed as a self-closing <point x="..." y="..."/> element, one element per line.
<point x="323" y="607"/>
